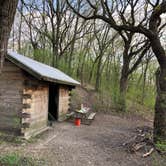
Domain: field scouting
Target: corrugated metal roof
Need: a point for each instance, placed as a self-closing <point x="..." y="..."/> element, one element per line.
<point x="40" y="70"/>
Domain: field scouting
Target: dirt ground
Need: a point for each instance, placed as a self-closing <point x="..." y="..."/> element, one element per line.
<point x="99" y="144"/>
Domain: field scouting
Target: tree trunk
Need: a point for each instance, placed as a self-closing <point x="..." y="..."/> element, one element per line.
<point x="125" y="70"/>
<point x="7" y="12"/>
<point x="123" y="90"/>
<point x="19" y="35"/>
<point x="72" y="47"/>
<point x="124" y="81"/>
<point x="91" y="72"/>
<point x="54" y="31"/>
<point x="54" y="55"/>
<point x="144" y="81"/>
<point x="98" y="73"/>
<point x="20" y="28"/>
<point x="160" y="106"/>
<point x="82" y="69"/>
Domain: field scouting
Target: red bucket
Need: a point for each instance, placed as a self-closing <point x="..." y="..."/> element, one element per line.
<point x="77" y="122"/>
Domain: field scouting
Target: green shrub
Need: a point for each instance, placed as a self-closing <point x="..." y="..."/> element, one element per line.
<point x="161" y="146"/>
<point x="14" y="159"/>
<point x="10" y="159"/>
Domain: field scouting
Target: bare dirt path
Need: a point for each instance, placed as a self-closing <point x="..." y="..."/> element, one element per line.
<point x="97" y="145"/>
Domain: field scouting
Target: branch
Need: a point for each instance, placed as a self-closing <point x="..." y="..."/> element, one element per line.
<point x="139" y="59"/>
<point x="155" y="17"/>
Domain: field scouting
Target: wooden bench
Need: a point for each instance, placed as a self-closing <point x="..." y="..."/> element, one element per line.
<point x="91" y="116"/>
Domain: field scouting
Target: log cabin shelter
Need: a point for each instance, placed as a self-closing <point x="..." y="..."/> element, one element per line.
<point x="31" y="94"/>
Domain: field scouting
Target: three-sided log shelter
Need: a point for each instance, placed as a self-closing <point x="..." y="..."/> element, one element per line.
<point x="30" y="94"/>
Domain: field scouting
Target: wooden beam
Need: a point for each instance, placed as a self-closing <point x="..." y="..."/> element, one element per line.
<point x="27" y="96"/>
<point x="25" y="115"/>
<point x="10" y="130"/>
<point x="31" y="84"/>
<point x="26" y="106"/>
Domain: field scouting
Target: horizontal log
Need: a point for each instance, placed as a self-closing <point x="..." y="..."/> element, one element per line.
<point x="27" y="96"/>
<point x="10" y="104"/>
<point x="64" y="97"/>
<point x="12" y="86"/>
<point x="9" y="115"/>
<point x="10" y="130"/>
<point x="13" y="114"/>
<point x="36" y="111"/>
<point x="12" y="72"/>
<point x="39" y="101"/>
<point x="9" y="63"/>
<point x="31" y="84"/>
<point x="28" y="91"/>
<point x="10" y="69"/>
<point x="10" y="107"/>
<point x="38" y="124"/>
<point x="63" y="100"/>
<point x="26" y="106"/>
<point x="11" y="82"/>
<point x="25" y="115"/>
<point x="11" y="77"/>
<point x="9" y="95"/>
<point x="35" y="118"/>
<point x="10" y="100"/>
<point x="10" y="122"/>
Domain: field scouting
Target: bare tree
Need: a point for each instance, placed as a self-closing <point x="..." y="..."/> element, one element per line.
<point x="103" y="37"/>
<point x="51" y="22"/>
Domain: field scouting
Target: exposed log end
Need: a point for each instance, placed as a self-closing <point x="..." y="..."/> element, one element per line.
<point x="25" y="125"/>
<point x="26" y="106"/>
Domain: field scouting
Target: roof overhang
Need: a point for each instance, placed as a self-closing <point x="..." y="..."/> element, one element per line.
<point x="37" y="74"/>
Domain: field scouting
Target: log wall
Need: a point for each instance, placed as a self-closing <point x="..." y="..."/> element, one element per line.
<point x="23" y="102"/>
<point x="11" y="90"/>
<point x="64" y="101"/>
<point x="36" y="106"/>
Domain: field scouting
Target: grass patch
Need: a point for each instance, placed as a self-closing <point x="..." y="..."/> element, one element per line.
<point x="161" y="146"/>
<point x="10" y="159"/>
<point x="14" y="159"/>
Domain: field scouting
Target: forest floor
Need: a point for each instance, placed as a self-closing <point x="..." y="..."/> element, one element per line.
<point x="100" y="144"/>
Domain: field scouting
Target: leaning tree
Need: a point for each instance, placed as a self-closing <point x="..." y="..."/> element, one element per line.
<point x="149" y="24"/>
<point x="7" y="12"/>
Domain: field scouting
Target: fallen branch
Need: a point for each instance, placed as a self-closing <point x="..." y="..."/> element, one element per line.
<point x="141" y="141"/>
<point x="139" y="146"/>
<point x="148" y="153"/>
